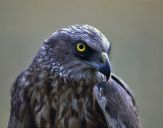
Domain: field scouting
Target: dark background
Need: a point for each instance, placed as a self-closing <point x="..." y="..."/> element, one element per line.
<point x="135" y="28"/>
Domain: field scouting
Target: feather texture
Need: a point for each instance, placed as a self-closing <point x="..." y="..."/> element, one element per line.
<point x="117" y="103"/>
<point x="62" y="89"/>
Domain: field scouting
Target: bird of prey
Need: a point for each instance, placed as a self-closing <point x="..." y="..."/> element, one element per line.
<point x="69" y="84"/>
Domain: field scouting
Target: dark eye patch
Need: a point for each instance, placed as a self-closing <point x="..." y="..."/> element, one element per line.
<point x="86" y="54"/>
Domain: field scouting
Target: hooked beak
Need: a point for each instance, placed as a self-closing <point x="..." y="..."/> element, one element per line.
<point x="104" y="67"/>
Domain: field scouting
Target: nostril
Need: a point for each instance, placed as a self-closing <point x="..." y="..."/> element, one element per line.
<point x="101" y="60"/>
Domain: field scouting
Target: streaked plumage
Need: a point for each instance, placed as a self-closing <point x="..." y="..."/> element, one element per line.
<point x="69" y="85"/>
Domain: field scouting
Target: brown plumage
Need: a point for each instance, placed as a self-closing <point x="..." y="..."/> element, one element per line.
<point x="69" y="84"/>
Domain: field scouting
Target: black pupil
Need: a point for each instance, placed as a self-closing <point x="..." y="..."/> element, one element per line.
<point x="81" y="46"/>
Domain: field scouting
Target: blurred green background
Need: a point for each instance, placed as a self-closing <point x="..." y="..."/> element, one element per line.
<point x="135" y="28"/>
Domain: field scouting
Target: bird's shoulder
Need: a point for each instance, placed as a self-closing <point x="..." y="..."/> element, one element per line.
<point x="117" y="103"/>
<point x="127" y="89"/>
<point x="20" y="113"/>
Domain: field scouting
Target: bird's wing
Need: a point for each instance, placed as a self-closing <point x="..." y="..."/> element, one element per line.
<point x="117" y="103"/>
<point x="20" y="114"/>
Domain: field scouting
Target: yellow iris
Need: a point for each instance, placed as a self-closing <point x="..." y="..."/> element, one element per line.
<point x="81" y="47"/>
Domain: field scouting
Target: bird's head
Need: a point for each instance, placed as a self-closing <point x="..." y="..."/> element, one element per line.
<point x="78" y="52"/>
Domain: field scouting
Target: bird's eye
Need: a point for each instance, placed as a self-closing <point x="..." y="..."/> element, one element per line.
<point x="81" y="47"/>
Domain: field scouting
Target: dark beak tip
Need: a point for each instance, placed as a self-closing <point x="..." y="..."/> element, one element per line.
<point x="105" y="69"/>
